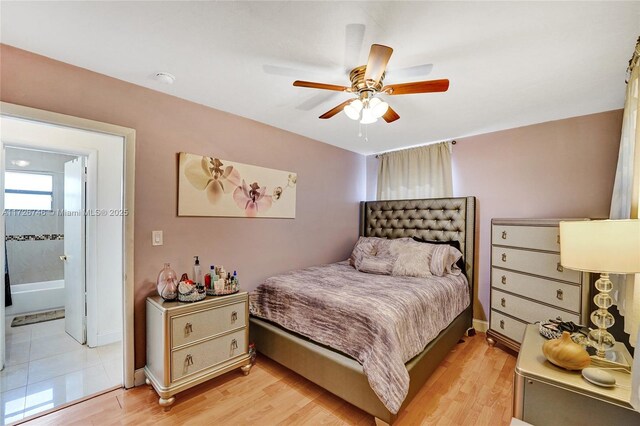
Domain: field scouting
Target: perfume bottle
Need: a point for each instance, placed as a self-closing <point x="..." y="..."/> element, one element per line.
<point x="167" y="284"/>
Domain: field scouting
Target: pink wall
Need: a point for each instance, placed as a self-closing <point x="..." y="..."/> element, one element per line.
<point x="330" y="180"/>
<point x="558" y="169"/>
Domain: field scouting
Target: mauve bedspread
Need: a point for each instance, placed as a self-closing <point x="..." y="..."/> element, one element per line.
<point x="382" y="321"/>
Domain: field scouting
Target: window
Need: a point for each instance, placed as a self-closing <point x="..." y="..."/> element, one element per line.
<point x="28" y="191"/>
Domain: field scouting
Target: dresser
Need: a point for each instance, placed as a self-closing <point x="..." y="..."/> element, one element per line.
<point x="528" y="283"/>
<point x="548" y="395"/>
<point x="190" y="343"/>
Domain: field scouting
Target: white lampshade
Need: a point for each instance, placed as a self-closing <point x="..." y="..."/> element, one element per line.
<point x="611" y="246"/>
<point x="378" y="107"/>
<point x="353" y="109"/>
<point x="368" y="117"/>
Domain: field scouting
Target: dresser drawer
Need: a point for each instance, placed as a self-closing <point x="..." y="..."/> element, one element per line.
<point x="527" y="310"/>
<point x="544" y="264"/>
<point x="197" y="357"/>
<point x="531" y="237"/>
<point x="191" y="327"/>
<point x="509" y="327"/>
<point x="562" y="295"/>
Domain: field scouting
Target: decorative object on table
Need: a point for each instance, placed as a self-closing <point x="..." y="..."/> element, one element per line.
<point x="197" y="272"/>
<point x="552" y="329"/>
<point x="167" y="283"/>
<point x="604" y="246"/>
<point x="188" y="292"/>
<point x="599" y="377"/>
<point x="209" y="186"/>
<point x="564" y="353"/>
<point x="222" y="282"/>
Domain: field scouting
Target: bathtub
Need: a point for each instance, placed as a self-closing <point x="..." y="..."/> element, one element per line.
<point x="36" y="297"/>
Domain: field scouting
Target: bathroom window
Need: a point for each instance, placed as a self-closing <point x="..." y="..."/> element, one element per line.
<point x="28" y="191"/>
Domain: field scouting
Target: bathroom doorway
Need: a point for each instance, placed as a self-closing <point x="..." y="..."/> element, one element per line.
<point x="71" y="346"/>
<point x="45" y="239"/>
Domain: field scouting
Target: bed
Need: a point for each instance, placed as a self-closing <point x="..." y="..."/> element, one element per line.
<point x="443" y="219"/>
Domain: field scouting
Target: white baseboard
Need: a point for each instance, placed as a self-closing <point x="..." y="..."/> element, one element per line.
<point x="480" y="325"/>
<point x="139" y="377"/>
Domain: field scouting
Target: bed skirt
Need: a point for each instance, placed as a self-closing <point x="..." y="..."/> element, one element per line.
<point x="343" y="376"/>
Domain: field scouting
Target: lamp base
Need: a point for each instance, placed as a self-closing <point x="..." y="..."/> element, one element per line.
<point x="613" y="358"/>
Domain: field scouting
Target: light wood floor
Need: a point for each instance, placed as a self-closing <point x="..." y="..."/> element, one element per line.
<point x="472" y="386"/>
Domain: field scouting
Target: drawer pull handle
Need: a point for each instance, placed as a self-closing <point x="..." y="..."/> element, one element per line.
<point x="558" y="239"/>
<point x="503" y="302"/>
<point x="504" y="257"/>
<point x="188" y="328"/>
<point x="559" y="294"/>
<point x="559" y="267"/>
<point x="504" y="279"/>
<point x="234" y="316"/>
<point x="188" y="360"/>
<point x="234" y="344"/>
<point x="504" y="235"/>
<point x="502" y="324"/>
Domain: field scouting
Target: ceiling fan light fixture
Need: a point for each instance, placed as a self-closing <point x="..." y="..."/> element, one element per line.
<point x="378" y="107"/>
<point x="368" y="117"/>
<point x="353" y="109"/>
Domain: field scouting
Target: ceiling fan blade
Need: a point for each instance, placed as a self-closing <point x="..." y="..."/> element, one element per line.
<point x="390" y="116"/>
<point x="417" y="87"/>
<point x="316" y="100"/>
<point x="335" y="110"/>
<point x="378" y="58"/>
<point x="312" y="85"/>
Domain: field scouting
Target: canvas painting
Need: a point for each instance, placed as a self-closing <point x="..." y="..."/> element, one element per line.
<point x="210" y="186"/>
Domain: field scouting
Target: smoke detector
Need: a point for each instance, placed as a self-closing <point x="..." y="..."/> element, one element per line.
<point x="165" y="77"/>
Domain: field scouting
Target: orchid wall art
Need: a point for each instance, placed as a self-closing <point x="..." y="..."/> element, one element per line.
<point x="210" y="186"/>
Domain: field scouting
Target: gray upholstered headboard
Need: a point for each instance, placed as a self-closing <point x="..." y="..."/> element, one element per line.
<point x="443" y="219"/>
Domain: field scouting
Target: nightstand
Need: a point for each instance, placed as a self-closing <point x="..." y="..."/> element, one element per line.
<point x="190" y="343"/>
<point x="548" y="395"/>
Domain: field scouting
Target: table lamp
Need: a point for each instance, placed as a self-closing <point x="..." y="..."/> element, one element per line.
<point x="604" y="247"/>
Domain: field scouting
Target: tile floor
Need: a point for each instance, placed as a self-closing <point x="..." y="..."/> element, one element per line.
<point x="46" y="368"/>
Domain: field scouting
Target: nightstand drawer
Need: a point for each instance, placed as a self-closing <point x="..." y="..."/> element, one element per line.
<point x="527" y="310"/>
<point x="194" y="358"/>
<point x="506" y="326"/>
<point x="562" y="295"/>
<point x="531" y="237"/>
<point x="537" y="263"/>
<point x="200" y="325"/>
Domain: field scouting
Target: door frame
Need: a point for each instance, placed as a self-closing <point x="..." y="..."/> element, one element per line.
<point x="128" y="135"/>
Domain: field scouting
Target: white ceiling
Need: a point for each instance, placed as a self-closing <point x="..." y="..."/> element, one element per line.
<point x="510" y="63"/>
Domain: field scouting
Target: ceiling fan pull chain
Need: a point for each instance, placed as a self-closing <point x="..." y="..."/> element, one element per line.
<point x="366" y="134"/>
<point x="359" y="129"/>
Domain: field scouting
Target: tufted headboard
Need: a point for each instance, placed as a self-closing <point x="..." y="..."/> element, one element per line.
<point x="443" y="219"/>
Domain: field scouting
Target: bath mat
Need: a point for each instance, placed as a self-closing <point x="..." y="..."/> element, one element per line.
<point x="21" y="320"/>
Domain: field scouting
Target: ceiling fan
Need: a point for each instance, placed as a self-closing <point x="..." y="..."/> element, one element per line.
<point x="366" y="84"/>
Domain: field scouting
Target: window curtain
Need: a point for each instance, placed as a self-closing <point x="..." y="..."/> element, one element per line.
<point x="423" y="172"/>
<point x="624" y="205"/>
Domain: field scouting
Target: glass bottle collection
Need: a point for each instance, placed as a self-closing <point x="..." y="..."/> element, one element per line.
<point x="217" y="282"/>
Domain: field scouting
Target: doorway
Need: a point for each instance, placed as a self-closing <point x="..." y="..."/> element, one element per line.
<point x="101" y="270"/>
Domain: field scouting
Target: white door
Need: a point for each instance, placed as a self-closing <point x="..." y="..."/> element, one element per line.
<point x="74" y="249"/>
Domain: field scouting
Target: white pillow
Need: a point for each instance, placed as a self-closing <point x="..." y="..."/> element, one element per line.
<point x="412" y="258"/>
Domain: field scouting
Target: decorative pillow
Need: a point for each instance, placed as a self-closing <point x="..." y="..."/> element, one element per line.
<point x="411" y="259"/>
<point x="365" y="246"/>
<point x="443" y="260"/>
<point x="382" y="265"/>
<point x="453" y="243"/>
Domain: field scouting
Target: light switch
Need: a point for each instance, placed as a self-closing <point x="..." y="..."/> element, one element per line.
<point x="156" y="238"/>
